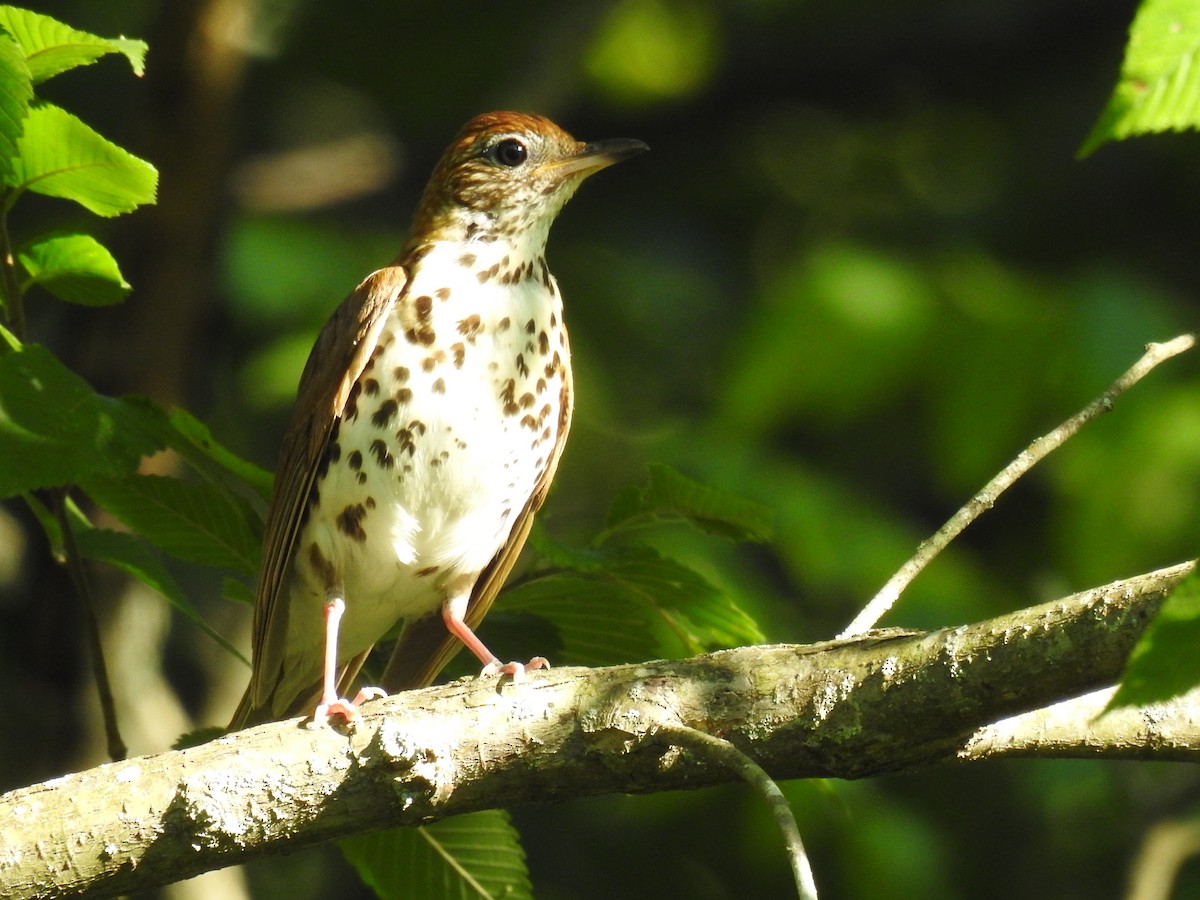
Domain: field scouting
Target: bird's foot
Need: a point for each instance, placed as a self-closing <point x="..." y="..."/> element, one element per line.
<point x="346" y="709"/>
<point x="514" y="670"/>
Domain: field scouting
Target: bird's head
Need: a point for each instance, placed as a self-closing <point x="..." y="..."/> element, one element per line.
<point x="508" y="174"/>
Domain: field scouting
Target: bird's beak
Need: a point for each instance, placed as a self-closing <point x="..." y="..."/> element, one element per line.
<point x="598" y="155"/>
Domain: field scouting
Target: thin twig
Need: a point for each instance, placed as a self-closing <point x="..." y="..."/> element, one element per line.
<point x="74" y="563"/>
<point x="1026" y="460"/>
<point x="753" y="774"/>
<point x="13" y="301"/>
<point x="1166" y="847"/>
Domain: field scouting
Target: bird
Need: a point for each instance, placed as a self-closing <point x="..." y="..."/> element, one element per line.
<point x="428" y="425"/>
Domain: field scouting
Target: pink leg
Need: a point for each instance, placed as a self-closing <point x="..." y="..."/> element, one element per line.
<point x="331" y="704"/>
<point x="453" y="612"/>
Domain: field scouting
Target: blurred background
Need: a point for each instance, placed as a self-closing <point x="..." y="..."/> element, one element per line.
<point x="859" y="270"/>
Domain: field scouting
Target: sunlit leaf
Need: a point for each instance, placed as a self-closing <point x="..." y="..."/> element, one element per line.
<point x="469" y="857"/>
<point x="16" y="92"/>
<point x="60" y="156"/>
<point x="52" y="47"/>
<point x="74" y="267"/>
<point x="1159" y="87"/>
<point x="1164" y="663"/>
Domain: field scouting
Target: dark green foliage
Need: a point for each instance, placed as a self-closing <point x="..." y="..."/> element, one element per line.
<point x="857" y="272"/>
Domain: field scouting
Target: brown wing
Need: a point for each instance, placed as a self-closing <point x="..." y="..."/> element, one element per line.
<point x="425" y="646"/>
<point x="341" y="352"/>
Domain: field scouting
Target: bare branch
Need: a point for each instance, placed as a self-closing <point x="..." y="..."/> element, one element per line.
<point x="753" y="774"/>
<point x="1079" y="727"/>
<point x="886" y="702"/>
<point x="1168" y="845"/>
<point x="987" y="496"/>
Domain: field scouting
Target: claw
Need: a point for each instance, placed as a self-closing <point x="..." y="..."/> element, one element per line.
<point x="515" y="670"/>
<point x="453" y="611"/>
<point x="347" y="709"/>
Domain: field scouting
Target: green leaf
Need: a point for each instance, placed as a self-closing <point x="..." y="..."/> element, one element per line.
<point x="49" y="523"/>
<point x="1164" y="663"/>
<point x="192" y="439"/>
<point x="55" y="430"/>
<point x="598" y="623"/>
<point x="195" y="442"/>
<point x="700" y="615"/>
<point x="464" y="858"/>
<point x="52" y="47"/>
<point x="641" y="605"/>
<point x="564" y="556"/>
<point x="199" y="523"/>
<point x="60" y="156"/>
<point x="1159" y="86"/>
<point x="126" y="552"/>
<point x="237" y="591"/>
<point x="16" y="93"/>
<point x="672" y="497"/>
<point x="73" y="267"/>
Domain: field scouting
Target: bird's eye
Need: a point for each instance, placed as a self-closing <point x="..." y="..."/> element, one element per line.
<point x="510" y="153"/>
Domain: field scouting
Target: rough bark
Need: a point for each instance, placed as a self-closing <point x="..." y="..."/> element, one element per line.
<point x="886" y="702"/>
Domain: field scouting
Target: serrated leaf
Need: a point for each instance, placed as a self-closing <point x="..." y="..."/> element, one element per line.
<point x="60" y="156"/>
<point x="670" y="496"/>
<point x="199" y="523"/>
<point x="598" y="622"/>
<point x="1164" y="662"/>
<point x="52" y="47"/>
<point x="639" y="606"/>
<point x="73" y="267"/>
<point x="129" y="554"/>
<point x="469" y="857"/>
<point x="701" y="616"/>
<point x="16" y="93"/>
<point x="1159" y="86"/>
<point x="54" y="429"/>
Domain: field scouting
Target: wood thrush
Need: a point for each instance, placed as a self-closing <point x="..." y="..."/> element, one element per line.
<point x="428" y="424"/>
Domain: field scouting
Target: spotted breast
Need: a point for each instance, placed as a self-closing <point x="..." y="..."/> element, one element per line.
<point x="429" y="423"/>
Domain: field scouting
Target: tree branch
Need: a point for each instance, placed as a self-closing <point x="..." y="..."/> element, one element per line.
<point x="1079" y="727"/>
<point x="987" y="496"/>
<point x="886" y="702"/>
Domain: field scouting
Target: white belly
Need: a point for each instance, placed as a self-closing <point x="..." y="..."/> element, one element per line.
<point x="454" y="423"/>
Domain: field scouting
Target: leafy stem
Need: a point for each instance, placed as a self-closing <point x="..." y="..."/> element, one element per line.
<point x="47" y="150"/>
